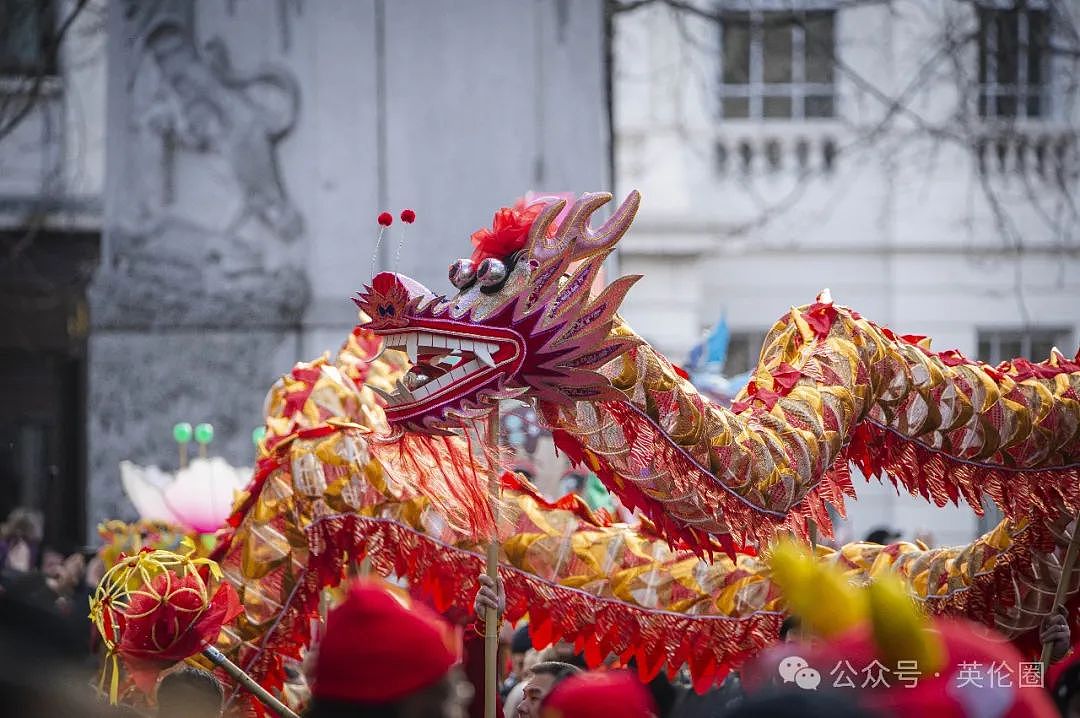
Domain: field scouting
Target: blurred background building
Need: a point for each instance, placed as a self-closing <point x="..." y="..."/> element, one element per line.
<point x="917" y="158"/>
<point x="188" y="190"/>
<point x="52" y="179"/>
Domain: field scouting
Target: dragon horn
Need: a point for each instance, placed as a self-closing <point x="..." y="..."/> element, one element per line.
<point x="574" y="235"/>
<point x="584" y="241"/>
<point x="541" y="247"/>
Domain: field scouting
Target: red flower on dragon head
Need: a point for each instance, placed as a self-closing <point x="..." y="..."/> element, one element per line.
<point x="523" y="321"/>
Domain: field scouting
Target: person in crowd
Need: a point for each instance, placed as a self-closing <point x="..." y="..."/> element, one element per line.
<point x="540" y="681"/>
<point x="64" y="573"/>
<point x="610" y="693"/>
<point x="1055" y="631"/>
<point x="883" y="535"/>
<point x="39" y="674"/>
<point x="20" y="540"/>
<point x="589" y="488"/>
<point x="562" y="652"/>
<point x="520" y="644"/>
<point x="517" y="693"/>
<point x="492" y="595"/>
<point x="801" y="704"/>
<point x="1063" y="682"/>
<point x="189" y="693"/>
<point x="512" y="699"/>
<point x="385" y="657"/>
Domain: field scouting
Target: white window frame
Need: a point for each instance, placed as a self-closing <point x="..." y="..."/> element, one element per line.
<point x="748" y="342"/>
<point x="990" y="91"/>
<point x="1058" y="336"/>
<point x="755" y="88"/>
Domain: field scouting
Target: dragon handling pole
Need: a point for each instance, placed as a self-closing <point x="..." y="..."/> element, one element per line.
<point x="1064" y="582"/>
<point x="491" y="620"/>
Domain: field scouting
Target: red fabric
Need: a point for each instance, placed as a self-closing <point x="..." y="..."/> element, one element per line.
<point x="599" y="694"/>
<point x="820" y="316"/>
<point x="569" y="502"/>
<point x="378" y="650"/>
<point x="508" y="234"/>
<point x="785" y="378"/>
<point x="158" y="632"/>
<point x="712" y="645"/>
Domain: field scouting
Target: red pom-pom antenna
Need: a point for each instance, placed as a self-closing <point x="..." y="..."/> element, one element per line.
<point x="408" y="217"/>
<point x="385" y="220"/>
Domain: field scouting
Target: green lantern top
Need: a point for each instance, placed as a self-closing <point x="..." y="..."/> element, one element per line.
<point x="204" y="433"/>
<point x="182" y="432"/>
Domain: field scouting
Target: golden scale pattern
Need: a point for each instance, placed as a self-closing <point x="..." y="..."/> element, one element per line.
<point x="561" y="561"/>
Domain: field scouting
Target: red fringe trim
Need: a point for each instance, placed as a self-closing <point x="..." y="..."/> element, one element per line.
<point x="876" y="451"/>
<point x="570" y="502"/>
<point x="743" y="523"/>
<point x="710" y="645"/>
<point x="937" y="477"/>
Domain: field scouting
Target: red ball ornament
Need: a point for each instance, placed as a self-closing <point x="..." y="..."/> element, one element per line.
<point x="386" y="219"/>
<point x="408" y="216"/>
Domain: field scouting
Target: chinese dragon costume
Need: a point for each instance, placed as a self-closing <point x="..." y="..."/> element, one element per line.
<point x="365" y="459"/>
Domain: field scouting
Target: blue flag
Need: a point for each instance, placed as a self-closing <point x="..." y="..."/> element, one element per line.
<point x="712" y="349"/>
<point x="718" y="342"/>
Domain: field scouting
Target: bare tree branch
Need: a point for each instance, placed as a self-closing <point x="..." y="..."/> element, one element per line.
<point x="10" y="119"/>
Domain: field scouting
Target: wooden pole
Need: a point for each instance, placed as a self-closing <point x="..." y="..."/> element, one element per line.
<point x="491" y="620"/>
<point x="264" y="696"/>
<point x="183" y="455"/>
<point x="1064" y="581"/>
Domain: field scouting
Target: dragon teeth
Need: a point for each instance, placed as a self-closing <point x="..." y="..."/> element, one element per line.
<point x="387" y="397"/>
<point x="483" y="353"/>
<point x="404" y="390"/>
<point x="412" y="345"/>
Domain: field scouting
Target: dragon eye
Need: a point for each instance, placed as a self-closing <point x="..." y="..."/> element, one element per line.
<point x="491" y="273"/>
<point x="462" y="273"/>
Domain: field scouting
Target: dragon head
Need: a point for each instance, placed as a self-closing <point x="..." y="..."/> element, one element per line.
<point x="524" y="320"/>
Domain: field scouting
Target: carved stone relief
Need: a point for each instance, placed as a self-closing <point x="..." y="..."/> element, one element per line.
<point x="202" y="229"/>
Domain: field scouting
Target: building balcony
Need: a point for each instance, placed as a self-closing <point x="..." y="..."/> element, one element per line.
<point x="1030" y="151"/>
<point x="800" y="149"/>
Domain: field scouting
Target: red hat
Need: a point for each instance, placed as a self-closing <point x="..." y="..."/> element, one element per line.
<point x="379" y="648"/>
<point x="596" y="694"/>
